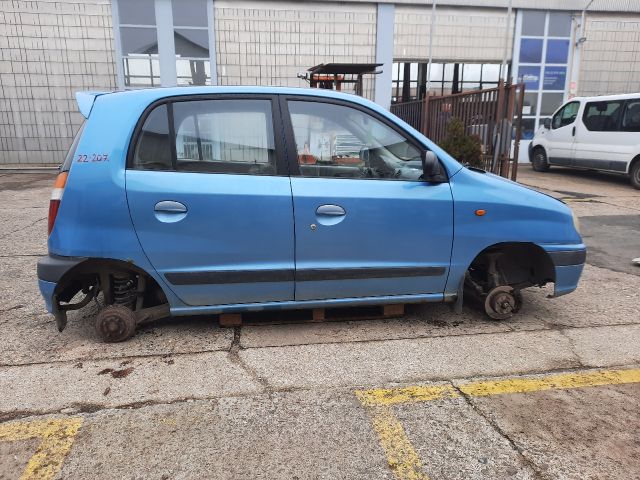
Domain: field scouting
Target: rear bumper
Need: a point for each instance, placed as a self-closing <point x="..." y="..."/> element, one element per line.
<point x="46" y="290"/>
<point x="530" y="151"/>
<point x="51" y="268"/>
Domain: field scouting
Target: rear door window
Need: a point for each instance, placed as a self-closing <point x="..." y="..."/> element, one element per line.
<point x="602" y="116"/>
<point x="153" y="150"/>
<point x="225" y="136"/>
<point x="631" y="117"/>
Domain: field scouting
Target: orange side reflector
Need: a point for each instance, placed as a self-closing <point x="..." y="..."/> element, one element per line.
<point x="480" y="212"/>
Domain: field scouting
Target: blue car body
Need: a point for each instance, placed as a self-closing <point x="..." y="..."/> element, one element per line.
<point x="225" y="242"/>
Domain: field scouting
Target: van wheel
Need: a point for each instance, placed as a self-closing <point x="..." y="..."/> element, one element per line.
<point x="539" y="160"/>
<point x="115" y="323"/>
<point x="634" y="173"/>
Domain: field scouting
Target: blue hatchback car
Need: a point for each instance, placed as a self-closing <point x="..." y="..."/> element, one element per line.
<point x="209" y="200"/>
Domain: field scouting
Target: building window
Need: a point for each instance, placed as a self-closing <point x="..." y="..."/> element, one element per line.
<point x="143" y="26"/>
<point x="139" y="43"/>
<point x="191" y="39"/>
<point x="409" y="80"/>
<point x="542" y="57"/>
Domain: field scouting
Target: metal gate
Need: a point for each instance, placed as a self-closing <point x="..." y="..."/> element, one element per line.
<point x="494" y="115"/>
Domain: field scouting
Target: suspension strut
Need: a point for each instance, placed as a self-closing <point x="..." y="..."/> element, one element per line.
<point x="124" y="289"/>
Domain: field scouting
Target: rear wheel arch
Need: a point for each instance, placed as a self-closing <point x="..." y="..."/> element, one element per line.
<point x="93" y="273"/>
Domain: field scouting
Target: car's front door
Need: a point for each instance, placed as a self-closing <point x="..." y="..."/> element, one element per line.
<point x="366" y="223"/>
<point x="210" y="199"/>
<point x="562" y="135"/>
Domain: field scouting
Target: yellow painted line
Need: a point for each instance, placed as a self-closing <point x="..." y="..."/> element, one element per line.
<point x="403" y="460"/>
<point x="402" y="457"/>
<point x="57" y="438"/>
<point x="550" y="382"/>
<point x="395" y="396"/>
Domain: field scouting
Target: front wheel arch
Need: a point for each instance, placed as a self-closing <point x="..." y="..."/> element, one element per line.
<point x="634" y="172"/>
<point x="515" y="264"/>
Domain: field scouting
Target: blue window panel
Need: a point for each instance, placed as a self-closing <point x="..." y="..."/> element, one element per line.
<point x="530" y="50"/>
<point x="530" y="76"/>
<point x="554" y="78"/>
<point x="557" y="51"/>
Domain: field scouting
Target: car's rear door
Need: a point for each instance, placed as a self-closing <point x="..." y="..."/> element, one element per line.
<point x="210" y="199"/>
<point x="366" y="224"/>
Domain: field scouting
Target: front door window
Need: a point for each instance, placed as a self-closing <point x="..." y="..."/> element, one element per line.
<point x="338" y="141"/>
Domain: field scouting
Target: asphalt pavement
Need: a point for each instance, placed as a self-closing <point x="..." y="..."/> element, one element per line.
<point x="551" y="393"/>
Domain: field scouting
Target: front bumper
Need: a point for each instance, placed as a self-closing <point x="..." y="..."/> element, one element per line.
<point x="568" y="265"/>
<point x="530" y="151"/>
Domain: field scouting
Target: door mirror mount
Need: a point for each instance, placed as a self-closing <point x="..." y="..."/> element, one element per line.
<point x="547" y="123"/>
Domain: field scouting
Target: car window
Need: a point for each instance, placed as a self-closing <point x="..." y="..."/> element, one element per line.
<point x="339" y="141"/>
<point x="566" y="115"/>
<point x="225" y="136"/>
<point x="66" y="164"/>
<point x="153" y="150"/>
<point x="602" y="116"/>
<point x="631" y="117"/>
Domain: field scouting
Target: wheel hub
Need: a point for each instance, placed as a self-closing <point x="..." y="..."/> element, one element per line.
<point x="501" y="303"/>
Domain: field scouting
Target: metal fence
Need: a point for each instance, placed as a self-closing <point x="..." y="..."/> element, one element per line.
<point x="494" y="115"/>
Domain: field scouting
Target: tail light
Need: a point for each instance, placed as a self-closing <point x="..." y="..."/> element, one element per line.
<point x="56" y="198"/>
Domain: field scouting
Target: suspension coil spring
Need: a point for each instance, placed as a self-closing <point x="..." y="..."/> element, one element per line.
<point x="124" y="289"/>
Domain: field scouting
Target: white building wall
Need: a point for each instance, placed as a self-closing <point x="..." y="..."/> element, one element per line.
<point x="48" y="51"/>
<point x="610" y="59"/>
<point x="268" y="43"/>
<point x="460" y="34"/>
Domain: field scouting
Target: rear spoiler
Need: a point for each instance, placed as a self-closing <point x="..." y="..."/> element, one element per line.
<point x="85" y="101"/>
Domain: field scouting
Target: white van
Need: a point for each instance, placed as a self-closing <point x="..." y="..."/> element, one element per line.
<point x="595" y="133"/>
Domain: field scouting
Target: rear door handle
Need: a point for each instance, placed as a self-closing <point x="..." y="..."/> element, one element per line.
<point x="573" y="132"/>
<point x="331" y="211"/>
<point x="169" y="206"/>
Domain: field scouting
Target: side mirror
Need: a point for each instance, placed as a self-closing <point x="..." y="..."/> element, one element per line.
<point x="547" y="123"/>
<point x="430" y="166"/>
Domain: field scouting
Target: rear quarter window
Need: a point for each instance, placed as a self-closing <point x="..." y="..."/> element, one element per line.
<point x="68" y="160"/>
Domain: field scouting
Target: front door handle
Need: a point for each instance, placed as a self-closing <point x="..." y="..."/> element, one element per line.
<point x="330" y="211"/>
<point x="573" y="131"/>
<point x="169" y="206"/>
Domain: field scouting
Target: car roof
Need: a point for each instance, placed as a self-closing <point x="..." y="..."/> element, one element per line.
<point x="603" y="98"/>
<point x="149" y="95"/>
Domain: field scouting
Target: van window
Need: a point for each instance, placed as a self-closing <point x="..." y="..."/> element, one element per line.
<point x="566" y="115"/>
<point x="339" y="141"/>
<point x="225" y="136"/>
<point x="153" y="150"/>
<point x="631" y="117"/>
<point x="602" y="116"/>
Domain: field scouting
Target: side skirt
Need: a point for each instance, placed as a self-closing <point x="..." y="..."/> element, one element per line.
<point x="335" y="302"/>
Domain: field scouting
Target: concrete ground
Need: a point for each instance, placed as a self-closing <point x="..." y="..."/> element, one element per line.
<point x="552" y="393"/>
